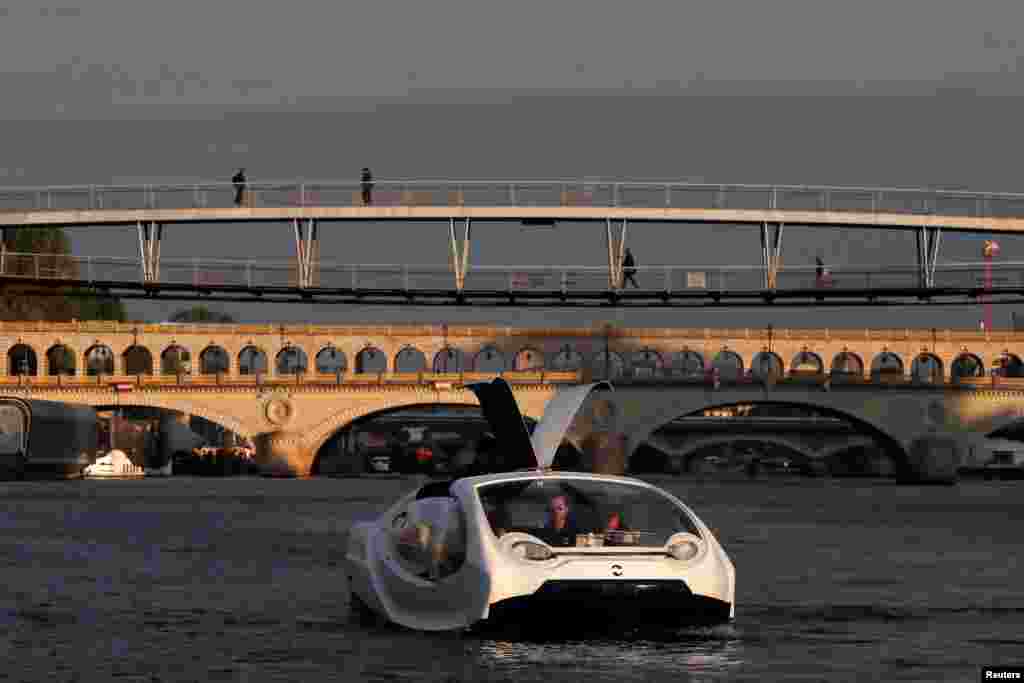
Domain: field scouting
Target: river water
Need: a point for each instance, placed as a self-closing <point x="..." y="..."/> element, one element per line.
<point x="240" y="579"/>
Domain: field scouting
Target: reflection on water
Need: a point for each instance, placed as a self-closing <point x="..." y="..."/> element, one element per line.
<point x="621" y="659"/>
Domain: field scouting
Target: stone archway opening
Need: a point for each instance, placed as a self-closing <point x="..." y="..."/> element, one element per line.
<point x="808" y="429"/>
<point x="193" y="444"/>
<point x="99" y="360"/>
<point x="431" y="438"/>
<point x="60" y="360"/>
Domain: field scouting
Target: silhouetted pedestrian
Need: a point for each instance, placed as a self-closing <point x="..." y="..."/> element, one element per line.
<point x="239" y="182"/>
<point x="367" y="184"/>
<point x="819" y="269"/>
<point x="629" y="270"/>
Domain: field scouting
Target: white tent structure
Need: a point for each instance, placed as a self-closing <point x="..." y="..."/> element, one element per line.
<point x="114" y="464"/>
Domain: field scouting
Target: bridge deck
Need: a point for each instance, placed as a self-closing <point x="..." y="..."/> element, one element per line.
<point x="92" y="217"/>
<point x="570" y="200"/>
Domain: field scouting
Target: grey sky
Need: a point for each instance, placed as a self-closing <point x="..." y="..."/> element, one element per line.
<point x="125" y="92"/>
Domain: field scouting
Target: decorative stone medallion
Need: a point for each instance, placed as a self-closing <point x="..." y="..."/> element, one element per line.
<point x="278" y="411"/>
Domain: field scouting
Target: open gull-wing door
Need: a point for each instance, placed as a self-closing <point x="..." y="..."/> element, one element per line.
<point x="502" y="413"/>
<point x="558" y="417"/>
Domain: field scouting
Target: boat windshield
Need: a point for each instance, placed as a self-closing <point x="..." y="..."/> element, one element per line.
<point x="581" y="512"/>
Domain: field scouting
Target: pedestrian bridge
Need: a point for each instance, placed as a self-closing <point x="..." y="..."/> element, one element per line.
<point x="292" y="387"/>
<point x="305" y="208"/>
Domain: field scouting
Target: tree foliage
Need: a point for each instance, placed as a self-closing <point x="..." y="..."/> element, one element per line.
<point x="200" y="314"/>
<point x="46" y="250"/>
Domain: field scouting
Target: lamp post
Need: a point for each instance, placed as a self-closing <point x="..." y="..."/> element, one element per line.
<point x="990" y="250"/>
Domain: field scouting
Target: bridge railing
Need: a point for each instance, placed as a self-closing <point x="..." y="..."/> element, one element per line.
<point x="228" y="274"/>
<point x="454" y="380"/>
<point x="131" y="382"/>
<point x="538" y="193"/>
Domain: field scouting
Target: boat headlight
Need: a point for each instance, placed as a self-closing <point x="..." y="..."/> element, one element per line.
<point x="526" y="547"/>
<point x="685" y="547"/>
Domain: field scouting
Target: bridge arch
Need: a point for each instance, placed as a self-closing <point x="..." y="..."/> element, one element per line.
<point x="99" y="360"/>
<point x="176" y="404"/>
<point x="448" y="359"/>
<point x="330" y="360"/>
<point x="966" y="365"/>
<point x="646" y="362"/>
<point x="137" y="360"/>
<point x="765" y="363"/>
<point x="22" y="360"/>
<point x="927" y="367"/>
<point x="1010" y="365"/>
<point x="886" y="363"/>
<point x="567" y="359"/>
<point x="489" y="359"/>
<point x="529" y="358"/>
<point x="60" y="360"/>
<point x="252" y="360"/>
<point x="213" y="360"/>
<point x="371" y="360"/>
<point x="608" y="364"/>
<point x="807" y="362"/>
<point x="847" y="364"/>
<point x="689" y="363"/>
<point x="175" y="360"/>
<point x="291" y="360"/>
<point x="410" y="359"/>
<point x="728" y="363"/>
<point x="640" y="431"/>
<point x="531" y="405"/>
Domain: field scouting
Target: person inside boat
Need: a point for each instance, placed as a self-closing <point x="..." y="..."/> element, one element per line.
<point x="614" y="532"/>
<point x="561" y="527"/>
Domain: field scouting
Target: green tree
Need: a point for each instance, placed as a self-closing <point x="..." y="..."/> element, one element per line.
<point x="22" y="302"/>
<point x="200" y="314"/>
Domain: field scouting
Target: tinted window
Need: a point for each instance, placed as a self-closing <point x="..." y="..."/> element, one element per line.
<point x="619" y="513"/>
<point x="430" y="537"/>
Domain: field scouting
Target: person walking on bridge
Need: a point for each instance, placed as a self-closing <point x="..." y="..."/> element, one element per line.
<point x="367" y="183"/>
<point x="629" y="269"/>
<point x="238" y="180"/>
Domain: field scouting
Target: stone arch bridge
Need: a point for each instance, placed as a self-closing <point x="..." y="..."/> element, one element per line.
<point x="294" y="399"/>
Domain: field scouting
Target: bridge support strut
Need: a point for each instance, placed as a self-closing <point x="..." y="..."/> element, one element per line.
<point x="307" y="250"/>
<point x="460" y="252"/>
<point x="927" y="255"/>
<point x="150" y="235"/>
<point x="771" y="255"/>
<point x="616" y="244"/>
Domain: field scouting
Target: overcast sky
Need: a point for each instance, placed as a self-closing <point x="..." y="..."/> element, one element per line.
<point x="868" y="93"/>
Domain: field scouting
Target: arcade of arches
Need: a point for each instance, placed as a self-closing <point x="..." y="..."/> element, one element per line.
<point x="646" y="362"/>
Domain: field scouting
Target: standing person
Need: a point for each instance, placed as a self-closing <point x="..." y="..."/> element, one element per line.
<point x="629" y="270"/>
<point x="239" y="182"/>
<point x="367" y="182"/>
<point x="819" y="270"/>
